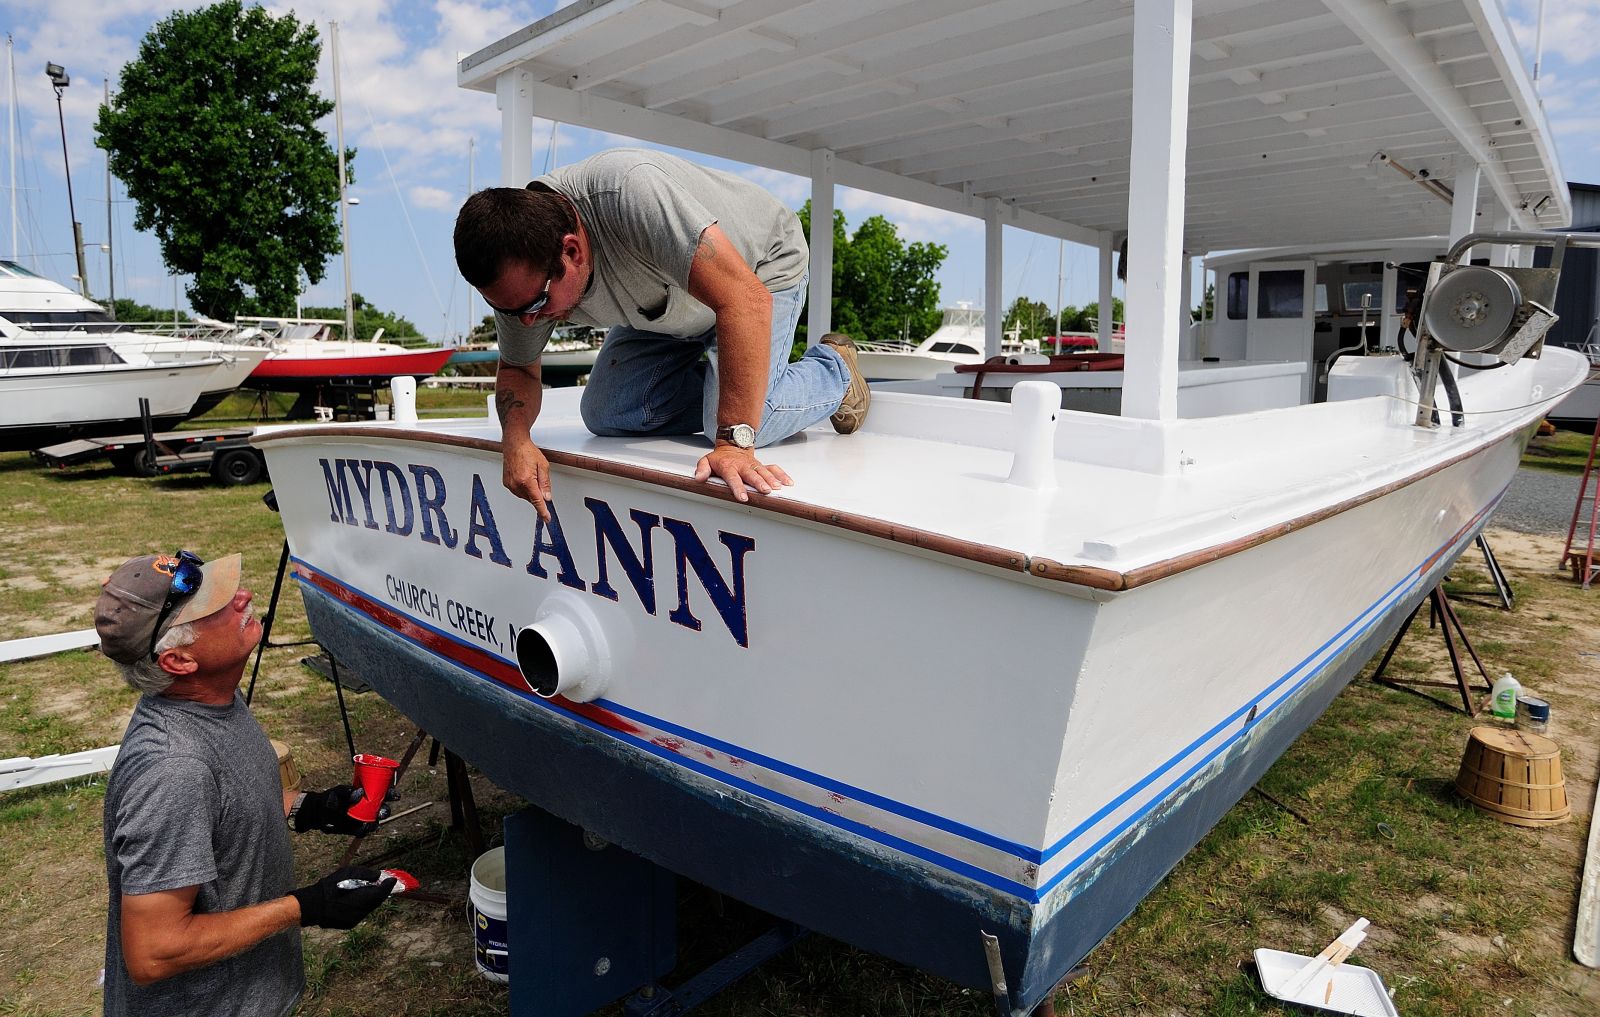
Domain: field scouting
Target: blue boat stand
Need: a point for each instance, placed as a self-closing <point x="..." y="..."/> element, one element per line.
<point x="589" y="923"/>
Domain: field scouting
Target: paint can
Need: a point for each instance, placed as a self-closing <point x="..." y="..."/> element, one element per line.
<point x="1533" y="714"/>
<point x="487" y="910"/>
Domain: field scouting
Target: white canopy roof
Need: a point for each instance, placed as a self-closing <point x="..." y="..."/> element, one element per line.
<point x="946" y="102"/>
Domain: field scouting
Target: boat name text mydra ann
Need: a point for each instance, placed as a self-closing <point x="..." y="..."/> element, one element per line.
<point x="416" y="504"/>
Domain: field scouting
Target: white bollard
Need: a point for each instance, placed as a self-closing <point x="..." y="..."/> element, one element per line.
<point x="403" y="390"/>
<point x="1034" y="407"/>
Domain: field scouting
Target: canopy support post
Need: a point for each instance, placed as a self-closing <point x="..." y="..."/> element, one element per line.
<point x="515" y="99"/>
<point x="1161" y="39"/>
<point x="819" y="314"/>
<point x="1107" y="309"/>
<point x="993" y="312"/>
<point x="1464" y="207"/>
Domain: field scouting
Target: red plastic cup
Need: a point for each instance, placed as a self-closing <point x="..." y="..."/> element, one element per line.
<point x="374" y="776"/>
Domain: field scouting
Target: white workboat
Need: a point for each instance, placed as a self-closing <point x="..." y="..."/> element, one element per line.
<point x="759" y="696"/>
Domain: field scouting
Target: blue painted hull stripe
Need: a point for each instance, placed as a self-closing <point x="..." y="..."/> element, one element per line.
<point x="976" y="873"/>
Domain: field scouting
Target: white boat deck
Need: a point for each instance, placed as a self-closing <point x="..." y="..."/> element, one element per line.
<point x="939" y="469"/>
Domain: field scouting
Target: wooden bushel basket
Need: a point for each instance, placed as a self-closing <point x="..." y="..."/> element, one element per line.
<point x="1515" y="776"/>
<point x="288" y="772"/>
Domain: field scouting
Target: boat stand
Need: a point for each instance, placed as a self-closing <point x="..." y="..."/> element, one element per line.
<point x="1501" y="586"/>
<point x="589" y="923"/>
<point x="1439" y="610"/>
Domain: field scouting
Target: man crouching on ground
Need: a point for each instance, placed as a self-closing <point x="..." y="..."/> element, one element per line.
<point x="202" y="919"/>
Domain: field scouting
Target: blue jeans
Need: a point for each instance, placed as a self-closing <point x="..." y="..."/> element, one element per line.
<point x="648" y="383"/>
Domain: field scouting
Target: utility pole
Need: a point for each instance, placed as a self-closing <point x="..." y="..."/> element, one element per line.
<point x="59" y="81"/>
<point x="111" y="244"/>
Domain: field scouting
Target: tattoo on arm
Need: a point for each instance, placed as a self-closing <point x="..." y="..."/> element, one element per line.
<point x="504" y="403"/>
<point x="706" y="249"/>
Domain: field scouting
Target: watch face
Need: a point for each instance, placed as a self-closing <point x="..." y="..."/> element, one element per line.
<point x="744" y="436"/>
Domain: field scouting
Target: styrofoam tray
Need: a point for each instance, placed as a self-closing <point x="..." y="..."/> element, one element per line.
<point x="1356" y="990"/>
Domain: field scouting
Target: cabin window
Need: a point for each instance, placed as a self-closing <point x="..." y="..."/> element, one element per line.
<point x="952" y="348"/>
<point x="1281" y="294"/>
<point x="1321" y="299"/>
<point x="1371" y="290"/>
<point x="1238" y="296"/>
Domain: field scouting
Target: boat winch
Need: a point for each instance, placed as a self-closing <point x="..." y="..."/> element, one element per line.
<point x="1499" y="312"/>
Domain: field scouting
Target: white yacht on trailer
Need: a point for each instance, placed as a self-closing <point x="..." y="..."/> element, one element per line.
<point x="750" y="694"/>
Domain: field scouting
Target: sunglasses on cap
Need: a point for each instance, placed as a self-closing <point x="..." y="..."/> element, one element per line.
<point x="533" y="308"/>
<point x="186" y="575"/>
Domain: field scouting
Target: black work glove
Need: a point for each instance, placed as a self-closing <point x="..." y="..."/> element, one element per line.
<point x="324" y="904"/>
<point x="329" y="811"/>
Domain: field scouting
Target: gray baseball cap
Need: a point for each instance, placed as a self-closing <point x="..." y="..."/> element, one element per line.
<point x="130" y="606"/>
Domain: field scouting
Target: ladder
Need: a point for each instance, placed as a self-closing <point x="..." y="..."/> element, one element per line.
<point x="1583" y="562"/>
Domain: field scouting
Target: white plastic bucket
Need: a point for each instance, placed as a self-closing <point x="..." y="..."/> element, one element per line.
<point x="488" y="913"/>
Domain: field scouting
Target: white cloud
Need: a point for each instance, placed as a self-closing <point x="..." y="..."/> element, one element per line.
<point x="433" y="197"/>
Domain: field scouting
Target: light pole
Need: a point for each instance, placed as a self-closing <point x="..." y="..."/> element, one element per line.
<point x="59" y="80"/>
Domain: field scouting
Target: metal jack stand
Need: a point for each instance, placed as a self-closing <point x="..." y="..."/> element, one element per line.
<point x="1439" y="609"/>
<point x="1501" y="590"/>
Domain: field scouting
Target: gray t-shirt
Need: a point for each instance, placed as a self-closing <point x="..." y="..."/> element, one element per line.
<point x="644" y="212"/>
<point x="195" y="799"/>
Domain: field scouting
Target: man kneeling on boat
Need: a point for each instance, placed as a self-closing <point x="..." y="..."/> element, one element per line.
<point x="202" y="918"/>
<point x="678" y="261"/>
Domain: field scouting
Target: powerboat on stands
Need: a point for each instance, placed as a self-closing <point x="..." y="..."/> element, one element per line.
<point x="749" y="694"/>
<point x="69" y="386"/>
<point x="40" y="308"/>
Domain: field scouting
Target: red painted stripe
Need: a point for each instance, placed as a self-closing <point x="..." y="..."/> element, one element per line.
<point x="421" y="362"/>
<point x="467" y="656"/>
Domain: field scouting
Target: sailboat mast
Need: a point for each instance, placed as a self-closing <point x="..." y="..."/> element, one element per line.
<point x="11" y="139"/>
<point x="344" y="202"/>
<point x="472" y="156"/>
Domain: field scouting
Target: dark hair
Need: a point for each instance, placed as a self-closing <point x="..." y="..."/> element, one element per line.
<point x="504" y="224"/>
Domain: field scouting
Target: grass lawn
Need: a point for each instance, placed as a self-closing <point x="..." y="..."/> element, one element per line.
<point x="1469" y="916"/>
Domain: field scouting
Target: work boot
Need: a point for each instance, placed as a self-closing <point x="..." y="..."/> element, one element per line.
<point x="852" y="411"/>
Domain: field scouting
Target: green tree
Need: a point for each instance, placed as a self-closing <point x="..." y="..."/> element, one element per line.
<point x="213" y="132"/>
<point x="368" y="320"/>
<point x="1091" y="314"/>
<point x="133" y="311"/>
<point x="883" y="288"/>
<point x="1031" y="318"/>
<point x="1207" y="304"/>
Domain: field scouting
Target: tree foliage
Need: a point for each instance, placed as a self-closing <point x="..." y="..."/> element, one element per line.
<point x="213" y="132"/>
<point x="368" y="320"/>
<point x="133" y="311"/>
<point x="1030" y="318"/>
<point x="883" y="288"/>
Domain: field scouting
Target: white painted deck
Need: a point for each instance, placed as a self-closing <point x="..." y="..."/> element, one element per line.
<point x="940" y="465"/>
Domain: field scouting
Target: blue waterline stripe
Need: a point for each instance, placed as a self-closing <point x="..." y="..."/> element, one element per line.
<point x="904" y="811"/>
<point x="956" y="865"/>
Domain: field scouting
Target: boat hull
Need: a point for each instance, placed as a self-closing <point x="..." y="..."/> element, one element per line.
<point x="1037" y="818"/>
<point x="281" y="373"/>
<point x="38" y="409"/>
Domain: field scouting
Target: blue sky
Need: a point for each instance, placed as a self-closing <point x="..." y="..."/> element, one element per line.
<point x="413" y="127"/>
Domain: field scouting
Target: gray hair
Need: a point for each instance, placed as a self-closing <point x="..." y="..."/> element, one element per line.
<point x="149" y="677"/>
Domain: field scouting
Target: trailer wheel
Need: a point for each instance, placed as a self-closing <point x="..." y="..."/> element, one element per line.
<point x="237" y="466"/>
<point x="133" y="462"/>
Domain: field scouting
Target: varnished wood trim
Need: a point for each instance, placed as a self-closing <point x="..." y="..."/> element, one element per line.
<point x="1090" y="576"/>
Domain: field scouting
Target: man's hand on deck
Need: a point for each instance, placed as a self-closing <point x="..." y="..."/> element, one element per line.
<point x="527" y="475"/>
<point x="739" y="467"/>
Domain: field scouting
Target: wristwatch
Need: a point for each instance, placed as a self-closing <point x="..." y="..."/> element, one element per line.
<point x="294" y="810"/>
<point x="740" y="435"/>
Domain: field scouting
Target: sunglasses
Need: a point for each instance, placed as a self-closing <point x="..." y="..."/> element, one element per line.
<point x="186" y="579"/>
<point x="533" y="308"/>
